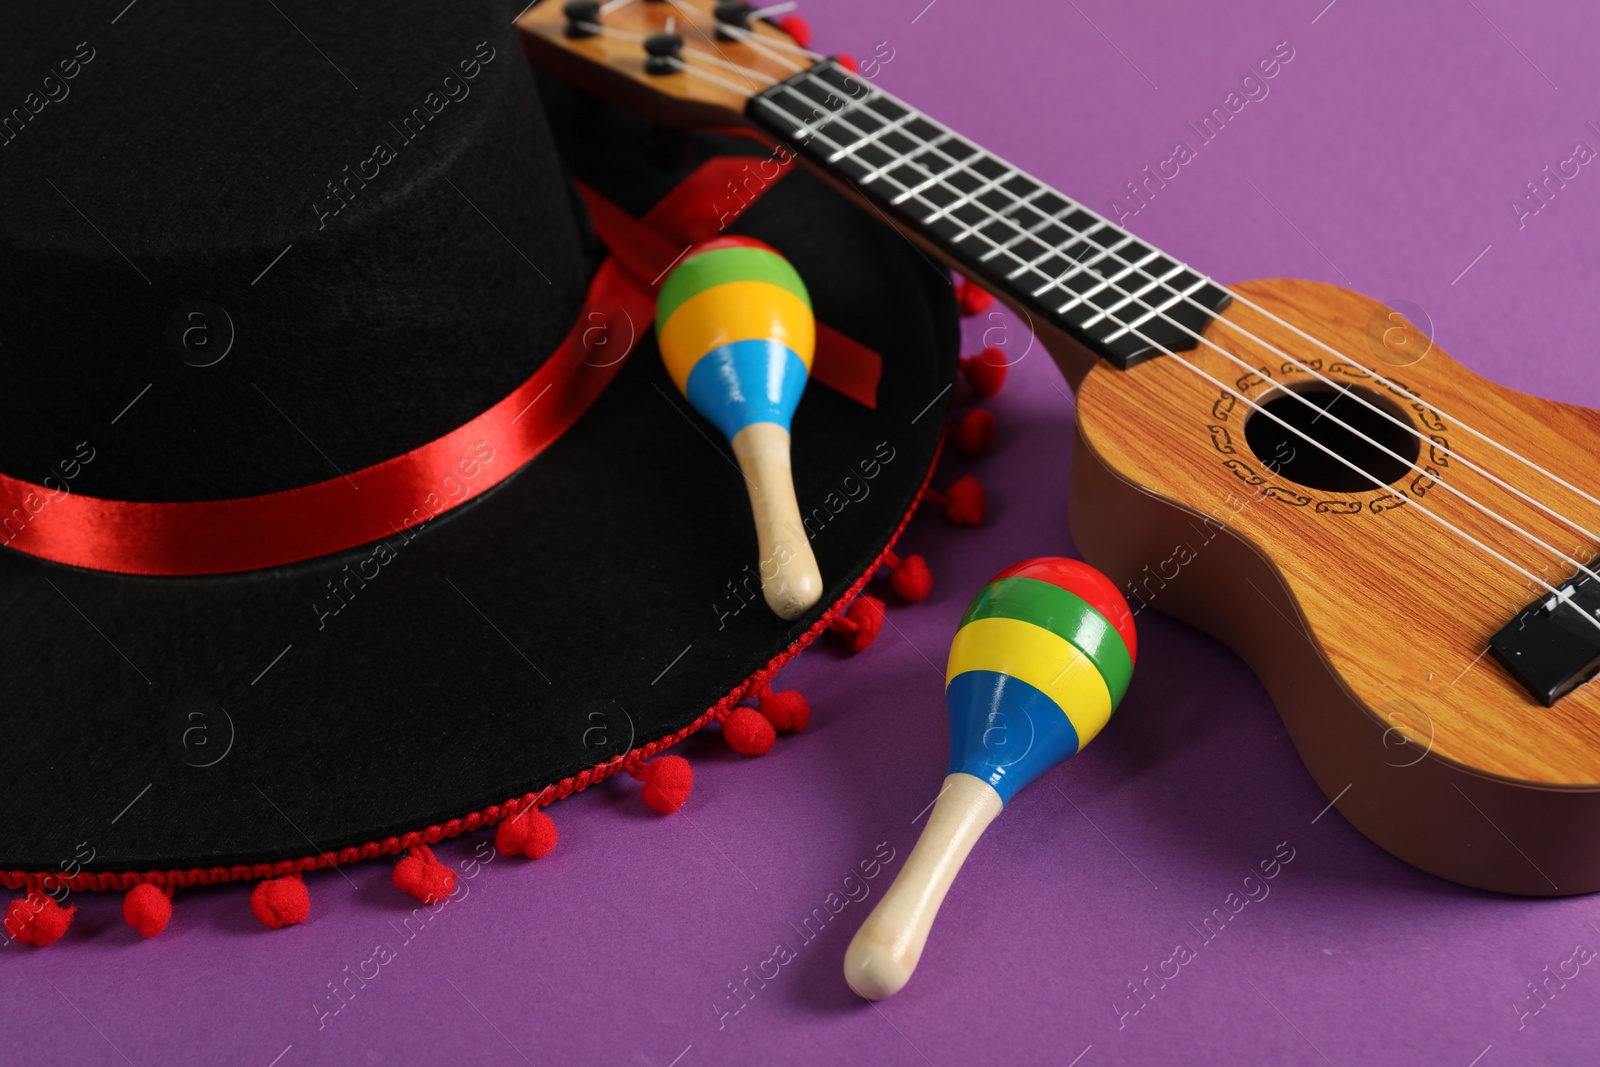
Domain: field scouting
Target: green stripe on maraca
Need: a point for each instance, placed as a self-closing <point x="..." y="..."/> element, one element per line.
<point x="1064" y="614"/>
<point x="705" y="270"/>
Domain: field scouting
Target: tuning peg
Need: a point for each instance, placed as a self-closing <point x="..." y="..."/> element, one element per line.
<point x="734" y="13"/>
<point x="663" y="53"/>
<point x="583" y="18"/>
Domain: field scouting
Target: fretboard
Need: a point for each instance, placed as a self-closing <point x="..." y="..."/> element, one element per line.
<point x="1095" y="281"/>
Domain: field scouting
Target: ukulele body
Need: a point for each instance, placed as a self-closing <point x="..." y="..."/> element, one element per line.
<point x="1367" y="620"/>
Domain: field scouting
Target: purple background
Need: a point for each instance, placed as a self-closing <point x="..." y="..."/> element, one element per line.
<point x="1393" y="141"/>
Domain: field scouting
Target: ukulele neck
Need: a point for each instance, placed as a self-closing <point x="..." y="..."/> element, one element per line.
<point x="1040" y="250"/>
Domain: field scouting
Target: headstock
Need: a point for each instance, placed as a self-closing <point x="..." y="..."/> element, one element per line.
<point x="679" y="62"/>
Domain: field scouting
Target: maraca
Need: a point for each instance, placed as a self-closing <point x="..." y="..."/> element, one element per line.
<point x="735" y="329"/>
<point x="1042" y="656"/>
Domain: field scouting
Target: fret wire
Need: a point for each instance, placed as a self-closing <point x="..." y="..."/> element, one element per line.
<point x="1102" y="283"/>
<point x="1179" y="296"/>
<point x="874" y="93"/>
<point x="1156" y="282"/>
<point x="962" y="199"/>
<point x="1100" y="221"/>
<point x="1082" y="236"/>
<point x="1036" y="227"/>
<point x="993" y="184"/>
<point x="876" y="173"/>
<point x="841" y="150"/>
<point x="1077" y="265"/>
<point x="805" y="131"/>
<point x="933" y="179"/>
<point x="1130" y="295"/>
<point x="853" y="103"/>
<point x="1163" y="278"/>
<point x="922" y="146"/>
<point x="1022" y="232"/>
<point x="988" y="184"/>
<point x="1089" y="265"/>
<point x="868" y="138"/>
<point x="1106" y="281"/>
<point x="1057" y="218"/>
<point x="1134" y="271"/>
<point x="993" y="216"/>
<point x="882" y="172"/>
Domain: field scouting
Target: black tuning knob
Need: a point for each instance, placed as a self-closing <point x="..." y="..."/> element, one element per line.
<point x="664" y="53"/>
<point x="734" y="13"/>
<point x="583" y="17"/>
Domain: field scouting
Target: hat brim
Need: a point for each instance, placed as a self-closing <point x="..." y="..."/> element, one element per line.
<point x="600" y="602"/>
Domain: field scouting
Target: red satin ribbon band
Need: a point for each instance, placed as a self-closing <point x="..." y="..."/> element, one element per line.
<point x="249" y="533"/>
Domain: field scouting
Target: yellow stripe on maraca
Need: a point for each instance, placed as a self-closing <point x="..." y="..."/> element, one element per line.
<point x="1032" y="654"/>
<point x="735" y="311"/>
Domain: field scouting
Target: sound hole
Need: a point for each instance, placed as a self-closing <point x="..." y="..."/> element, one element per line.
<point x="1303" y="445"/>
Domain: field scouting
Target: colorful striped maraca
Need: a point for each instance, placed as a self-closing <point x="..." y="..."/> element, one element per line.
<point x="735" y="329"/>
<point x="1042" y="657"/>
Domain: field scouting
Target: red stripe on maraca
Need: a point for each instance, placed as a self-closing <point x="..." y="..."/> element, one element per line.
<point x="730" y="241"/>
<point x="1095" y="588"/>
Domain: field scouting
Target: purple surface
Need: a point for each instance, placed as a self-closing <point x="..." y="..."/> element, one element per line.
<point x="1393" y="141"/>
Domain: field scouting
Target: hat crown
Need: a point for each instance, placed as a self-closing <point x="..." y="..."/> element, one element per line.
<point x="247" y="250"/>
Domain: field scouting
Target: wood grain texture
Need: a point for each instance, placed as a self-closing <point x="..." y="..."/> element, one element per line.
<point x="611" y="65"/>
<point x="1399" y="607"/>
<point x="790" y="581"/>
<point x="887" y="947"/>
<point x="1365" y="615"/>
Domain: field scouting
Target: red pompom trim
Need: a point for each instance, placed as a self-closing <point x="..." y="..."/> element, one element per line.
<point x="795" y="26"/>
<point x="37" y="919"/>
<point x="860" y="625"/>
<point x="489" y="816"/>
<point x="421" y="874"/>
<point x="667" y="780"/>
<point x="973" y="298"/>
<point x="147" y="909"/>
<point x="280" y="902"/>
<point x="748" y="732"/>
<point x="986" y="371"/>
<point x="964" y="503"/>
<point x="788" y="710"/>
<point x="531" y="834"/>
<point x="974" y="433"/>
<point x="911" y="580"/>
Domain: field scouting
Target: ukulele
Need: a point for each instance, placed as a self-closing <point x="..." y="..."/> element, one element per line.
<point x="1402" y="550"/>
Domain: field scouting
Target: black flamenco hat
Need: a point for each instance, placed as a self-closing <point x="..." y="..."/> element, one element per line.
<point x="345" y="503"/>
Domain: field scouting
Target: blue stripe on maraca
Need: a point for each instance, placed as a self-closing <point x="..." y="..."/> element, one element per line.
<point x="747" y="381"/>
<point x="1005" y="731"/>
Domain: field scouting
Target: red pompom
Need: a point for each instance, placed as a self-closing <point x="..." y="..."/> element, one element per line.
<point x="531" y="834"/>
<point x="860" y="625"/>
<point x="667" y="782"/>
<point x="423" y="876"/>
<point x="748" y="733"/>
<point x="795" y="26"/>
<point x="787" y="711"/>
<point x="911" y="580"/>
<point x="280" y="902"/>
<point x="965" y="502"/>
<point x="986" y="371"/>
<point x="975" y="432"/>
<point x="973" y="299"/>
<point x="147" y="909"/>
<point x="848" y="62"/>
<point x="37" y="920"/>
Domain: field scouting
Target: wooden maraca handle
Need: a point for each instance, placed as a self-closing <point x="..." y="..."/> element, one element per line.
<point x="790" y="580"/>
<point x="886" y="949"/>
